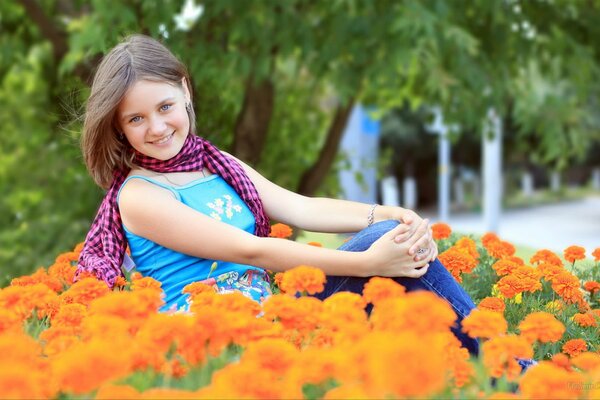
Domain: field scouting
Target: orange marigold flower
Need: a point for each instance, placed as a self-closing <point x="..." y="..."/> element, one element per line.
<point x="500" y="354"/>
<point x="596" y="254"/>
<point x="566" y="285"/>
<point x="294" y="313"/>
<point x="585" y="320"/>
<point x="277" y="278"/>
<point x="592" y="286"/>
<point x="135" y="275"/>
<point x="281" y="231"/>
<point x="457" y="359"/>
<point x="84" y="291"/>
<point x="548" y="381"/>
<point x="378" y="289"/>
<point x="468" y="246"/>
<point x="545" y="257"/>
<point x="146" y="283"/>
<point x="195" y="288"/>
<point x="515" y="259"/>
<point x="39" y="276"/>
<point x="120" y="282"/>
<point x="457" y="262"/>
<point x="86" y="366"/>
<point x="550" y="271"/>
<point x="529" y="277"/>
<point x="586" y="361"/>
<point x="345" y="312"/>
<point x="406" y="314"/>
<point x="488" y="238"/>
<point x="23" y="300"/>
<point x="484" y="324"/>
<point x="68" y="257"/>
<point x="493" y="304"/>
<point x="509" y="286"/>
<point x="574" y="253"/>
<point x="303" y="278"/>
<point x="64" y="271"/>
<point x="441" y="231"/>
<point x="541" y="326"/>
<point x="562" y="360"/>
<point x="70" y="315"/>
<point x="78" y="247"/>
<point x="574" y="347"/>
<point x="274" y="354"/>
<point x="500" y="249"/>
<point x="504" y="267"/>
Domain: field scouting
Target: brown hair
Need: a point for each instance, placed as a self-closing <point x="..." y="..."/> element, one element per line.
<point x="137" y="57"/>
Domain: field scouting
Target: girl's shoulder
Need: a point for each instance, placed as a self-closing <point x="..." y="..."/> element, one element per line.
<point x="143" y="185"/>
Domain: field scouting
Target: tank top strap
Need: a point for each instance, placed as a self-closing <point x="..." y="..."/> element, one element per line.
<point x="151" y="180"/>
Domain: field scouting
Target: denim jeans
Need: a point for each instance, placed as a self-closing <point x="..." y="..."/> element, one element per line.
<point x="437" y="280"/>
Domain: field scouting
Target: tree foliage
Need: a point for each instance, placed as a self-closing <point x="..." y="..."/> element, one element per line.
<point x="274" y="82"/>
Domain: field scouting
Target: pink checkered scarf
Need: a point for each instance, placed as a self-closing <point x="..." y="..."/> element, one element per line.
<point x="104" y="248"/>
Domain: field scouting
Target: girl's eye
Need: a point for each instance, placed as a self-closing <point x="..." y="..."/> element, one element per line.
<point x="165" y="107"/>
<point x="135" y="119"/>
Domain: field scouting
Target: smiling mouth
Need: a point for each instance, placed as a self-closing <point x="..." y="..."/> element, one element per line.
<point x="163" y="140"/>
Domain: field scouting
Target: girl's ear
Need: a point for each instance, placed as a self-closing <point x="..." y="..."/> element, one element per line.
<point x="186" y="90"/>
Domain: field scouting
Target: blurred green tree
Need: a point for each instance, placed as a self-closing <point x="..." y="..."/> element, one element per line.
<point x="274" y="83"/>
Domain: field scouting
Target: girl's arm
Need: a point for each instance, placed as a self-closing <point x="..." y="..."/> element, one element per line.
<point x="318" y="214"/>
<point x="152" y="212"/>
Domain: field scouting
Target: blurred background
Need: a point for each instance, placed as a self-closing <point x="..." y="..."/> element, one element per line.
<point x="480" y="113"/>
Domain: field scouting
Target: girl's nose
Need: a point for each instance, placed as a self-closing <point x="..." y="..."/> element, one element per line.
<point x="157" y="126"/>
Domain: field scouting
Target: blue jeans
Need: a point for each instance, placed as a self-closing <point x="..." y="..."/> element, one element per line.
<point x="437" y="280"/>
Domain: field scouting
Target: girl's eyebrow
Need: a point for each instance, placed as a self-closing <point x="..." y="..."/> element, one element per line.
<point x="160" y="103"/>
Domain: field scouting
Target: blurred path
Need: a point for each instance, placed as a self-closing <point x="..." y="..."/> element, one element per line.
<point x="552" y="227"/>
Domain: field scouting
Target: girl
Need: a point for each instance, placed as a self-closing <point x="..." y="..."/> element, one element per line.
<point x="191" y="212"/>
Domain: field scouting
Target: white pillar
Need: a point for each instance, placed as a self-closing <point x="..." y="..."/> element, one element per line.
<point x="444" y="175"/>
<point x="409" y="190"/>
<point x="555" y="181"/>
<point x="527" y="184"/>
<point x="459" y="191"/>
<point x="441" y="129"/>
<point x="492" y="171"/>
<point x="390" y="195"/>
<point x="596" y="178"/>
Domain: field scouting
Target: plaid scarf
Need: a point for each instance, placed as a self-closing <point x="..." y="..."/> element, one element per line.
<point x="104" y="248"/>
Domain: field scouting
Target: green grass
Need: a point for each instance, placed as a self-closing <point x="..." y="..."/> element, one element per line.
<point x="329" y="240"/>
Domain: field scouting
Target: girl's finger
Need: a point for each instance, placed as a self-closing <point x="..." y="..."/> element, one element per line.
<point x="418" y="272"/>
<point x="422" y="243"/>
<point x="417" y="236"/>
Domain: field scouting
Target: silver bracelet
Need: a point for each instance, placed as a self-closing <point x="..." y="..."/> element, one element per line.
<point x="371" y="217"/>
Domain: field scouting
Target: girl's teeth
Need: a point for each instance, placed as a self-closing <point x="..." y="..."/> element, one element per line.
<point x="163" y="140"/>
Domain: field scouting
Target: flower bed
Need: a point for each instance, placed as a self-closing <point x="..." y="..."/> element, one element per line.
<point x="59" y="339"/>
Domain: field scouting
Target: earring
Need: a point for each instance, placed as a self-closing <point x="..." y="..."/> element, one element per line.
<point x="188" y="107"/>
<point x="121" y="136"/>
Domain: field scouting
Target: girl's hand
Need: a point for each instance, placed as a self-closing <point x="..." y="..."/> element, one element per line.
<point x="390" y="253"/>
<point x="425" y="247"/>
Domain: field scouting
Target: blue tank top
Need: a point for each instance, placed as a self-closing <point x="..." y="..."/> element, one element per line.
<point x="214" y="197"/>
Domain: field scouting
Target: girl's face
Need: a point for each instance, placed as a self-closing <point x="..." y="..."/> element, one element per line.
<point x="153" y="118"/>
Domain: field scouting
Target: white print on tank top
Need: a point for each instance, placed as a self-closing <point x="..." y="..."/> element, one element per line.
<point x="221" y="207"/>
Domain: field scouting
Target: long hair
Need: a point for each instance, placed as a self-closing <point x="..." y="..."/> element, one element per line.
<point x="138" y="57"/>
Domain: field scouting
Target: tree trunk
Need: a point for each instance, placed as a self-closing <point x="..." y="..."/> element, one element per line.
<point x="313" y="177"/>
<point x="252" y="124"/>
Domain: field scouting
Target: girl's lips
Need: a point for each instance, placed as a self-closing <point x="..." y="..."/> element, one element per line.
<point x="163" y="140"/>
